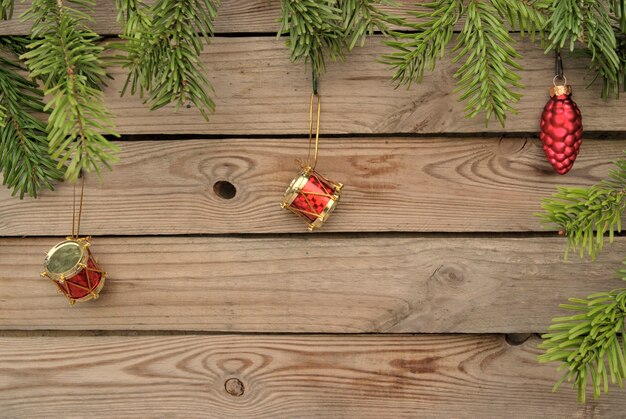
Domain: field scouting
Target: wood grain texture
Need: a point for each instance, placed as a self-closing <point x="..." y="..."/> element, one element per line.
<point x="234" y="16"/>
<point x="319" y="284"/>
<point x="305" y="377"/>
<point x="257" y="91"/>
<point x="392" y="184"/>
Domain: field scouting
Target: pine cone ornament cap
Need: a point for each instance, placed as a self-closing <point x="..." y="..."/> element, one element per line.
<point x="561" y="129"/>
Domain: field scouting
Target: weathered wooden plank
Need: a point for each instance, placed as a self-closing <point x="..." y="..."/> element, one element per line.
<point x="392" y="184"/>
<point x="258" y="91"/>
<point x="458" y="376"/>
<point x="234" y="16"/>
<point x="318" y="284"/>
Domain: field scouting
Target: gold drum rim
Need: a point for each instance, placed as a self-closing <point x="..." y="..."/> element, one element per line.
<point x="78" y="266"/>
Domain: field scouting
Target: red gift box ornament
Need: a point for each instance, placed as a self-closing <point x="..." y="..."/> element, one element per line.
<point x="561" y="126"/>
<point x="71" y="265"/>
<point x="310" y="195"/>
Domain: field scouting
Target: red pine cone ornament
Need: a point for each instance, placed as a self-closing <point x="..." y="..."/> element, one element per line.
<point x="561" y="129"/>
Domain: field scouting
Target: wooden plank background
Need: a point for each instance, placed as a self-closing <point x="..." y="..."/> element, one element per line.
<point x="330" y="284"/>
<point x="392" y="184"/>
<point x="214" y="307"/>
<point x="283" y="376"/>
<point x="234" y="17"/>
<point x="258" y="91"/>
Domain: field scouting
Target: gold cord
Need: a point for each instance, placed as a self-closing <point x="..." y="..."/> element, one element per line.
<point x="317" y="130"/>
<point x="76" y="226"/>
<point x="74" y="212"/>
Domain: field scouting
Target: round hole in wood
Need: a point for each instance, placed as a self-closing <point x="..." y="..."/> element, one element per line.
<point x="224" y="189"/>
<point x="515" y="339"/>
<point x="234" y="387"/>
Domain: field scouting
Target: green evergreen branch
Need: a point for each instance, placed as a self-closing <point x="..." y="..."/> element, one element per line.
<point x="321" y="28"/>
<point x="315" y="29"/>
<point x="6" y="9"/>
<point x="585" y="215"/>
<point x="488" y="76"/>
<point x="363" y="17"/>
<point x="419" y="51"/>
<point x="65" y="57"/>
<point x="618" y="8"/>
<point x="25" y="162"/>
<point x="162" y="51"/>
<point x="527" y="16"/>
<point x="591" y="22"/>
<point x="589" y="344"/>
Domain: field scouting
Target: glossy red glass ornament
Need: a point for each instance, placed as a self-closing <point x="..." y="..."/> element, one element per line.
<point x="561" y="129"/>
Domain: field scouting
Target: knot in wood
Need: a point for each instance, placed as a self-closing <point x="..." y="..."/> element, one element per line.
<point x="234" y="387"/>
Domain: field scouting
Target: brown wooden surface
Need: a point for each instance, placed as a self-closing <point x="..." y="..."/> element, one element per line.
<point x="234" y="16"/>
<point x="391" y="184"/>
<point x="289" y="376"/>
<point x="317" y="284"/>
<point x="97" y="359"/>
<point x="257" y="91"/>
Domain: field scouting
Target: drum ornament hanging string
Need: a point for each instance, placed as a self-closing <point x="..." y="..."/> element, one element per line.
<point x="310" y="195"/>
<point x="561" y="123"/>
<point x="70" y="264"/>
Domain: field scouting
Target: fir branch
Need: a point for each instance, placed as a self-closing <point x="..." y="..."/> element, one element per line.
<point x="585" y="215"/>
<point x="6" y="9"/>
<point x="65" y="57"/>
<point x="3" y="116"/>
<point x="162" y="52"/>
<point x="25" y="162"/>
<point x="589" y="344"/>
<point x="590" y="22"/>
<point x="618" y="9"/>
<point x="488" y="77"/>
<point x="363" y="17"/>
<point x="315" y="29"/>
<point x="330" y="28"/>
<point x="419" y="51"/>
<point x="527" y="16"/>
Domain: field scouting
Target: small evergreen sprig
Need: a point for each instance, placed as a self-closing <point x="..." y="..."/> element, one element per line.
<point x="590" y="344"/>
<point x="24" y="159"/>
<point x="6" y="9"/>
<point x="489" y="76"/>
<point x="418" y="52"/>
<point x="321" y="28"/>
<point x="362" y="18"/>
<point x="162" y="52"/>
<point x="65" y="57"/>
<point x="585" y="215"/>
<point x="314" y="28"/>
<point x="591" y="22"/>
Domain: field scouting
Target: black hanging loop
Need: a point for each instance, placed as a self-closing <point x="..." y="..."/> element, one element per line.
<point x="558" y="64"/>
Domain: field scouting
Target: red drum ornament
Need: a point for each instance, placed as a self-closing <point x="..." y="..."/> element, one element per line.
<point x="312" y="197"/>
<point x="72" y="267"/>
<point x="561" y="128"/>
